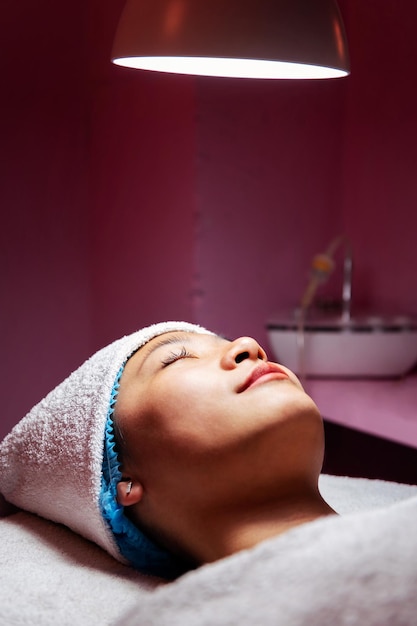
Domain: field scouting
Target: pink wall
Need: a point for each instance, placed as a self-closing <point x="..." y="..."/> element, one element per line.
<point x="45" y="312"/>
<point x="142" y="194"/>
<point x="129" y="198"/>
<point x="269" y="178"/>
<point x="379" y="192"/>
<point x="142" y="203"/>
<point x="97" y="190"/>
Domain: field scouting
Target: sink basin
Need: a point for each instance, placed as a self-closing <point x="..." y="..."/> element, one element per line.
<point x="367" y="347"/>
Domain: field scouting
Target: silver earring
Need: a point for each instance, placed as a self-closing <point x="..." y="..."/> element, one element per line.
<point x="129" y="487"/>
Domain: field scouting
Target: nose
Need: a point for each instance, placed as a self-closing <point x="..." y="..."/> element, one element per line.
<point x="241" y="349"/>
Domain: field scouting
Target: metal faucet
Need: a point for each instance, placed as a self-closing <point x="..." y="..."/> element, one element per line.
<point x="347" y="284"/>
<point x="322" y="267"/>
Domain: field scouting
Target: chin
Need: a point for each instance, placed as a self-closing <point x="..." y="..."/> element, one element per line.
<point x="299" y="406"/>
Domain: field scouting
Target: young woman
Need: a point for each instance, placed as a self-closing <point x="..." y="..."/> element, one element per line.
<point x="170" y="448"/>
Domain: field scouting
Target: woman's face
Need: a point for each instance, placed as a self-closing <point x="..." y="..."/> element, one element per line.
<point x="206" y="421"/>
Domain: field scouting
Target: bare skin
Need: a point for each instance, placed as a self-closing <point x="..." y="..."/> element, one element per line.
<point x="223" y="448"/>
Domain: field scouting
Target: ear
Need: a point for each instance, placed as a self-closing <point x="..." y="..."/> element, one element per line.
<point x="129" y="492"/>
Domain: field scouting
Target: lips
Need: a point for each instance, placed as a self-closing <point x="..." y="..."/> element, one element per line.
<point x="263" y="373"/>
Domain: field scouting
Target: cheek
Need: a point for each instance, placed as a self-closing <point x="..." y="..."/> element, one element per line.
<point x="175" y="417"/>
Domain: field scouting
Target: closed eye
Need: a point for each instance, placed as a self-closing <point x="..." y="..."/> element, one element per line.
<point x="177" y="356"/>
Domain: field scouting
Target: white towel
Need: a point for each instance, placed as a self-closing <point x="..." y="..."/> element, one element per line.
<point x="358" y="569"/>
<point x="49" y="576"/>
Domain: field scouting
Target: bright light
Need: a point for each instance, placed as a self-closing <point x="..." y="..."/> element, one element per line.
<point x="235" y="68"/>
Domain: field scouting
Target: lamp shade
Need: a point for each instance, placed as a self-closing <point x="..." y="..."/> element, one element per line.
<point x="239" y="38"/>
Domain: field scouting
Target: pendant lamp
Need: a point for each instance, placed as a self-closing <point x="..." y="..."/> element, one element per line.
<point x="236" y="38"/>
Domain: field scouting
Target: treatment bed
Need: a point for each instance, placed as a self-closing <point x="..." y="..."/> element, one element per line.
<point x="356" y="568"/>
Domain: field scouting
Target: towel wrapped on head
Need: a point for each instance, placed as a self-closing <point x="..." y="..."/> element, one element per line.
<point x="60" y="461"/>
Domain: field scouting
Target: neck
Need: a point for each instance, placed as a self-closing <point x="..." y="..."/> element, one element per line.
<point x="229" y="531"/>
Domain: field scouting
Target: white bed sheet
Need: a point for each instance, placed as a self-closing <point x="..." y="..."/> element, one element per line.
<point x="50" y="576"/>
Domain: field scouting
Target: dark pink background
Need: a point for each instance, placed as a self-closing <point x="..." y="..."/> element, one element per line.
<point x="129" y="197"/>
